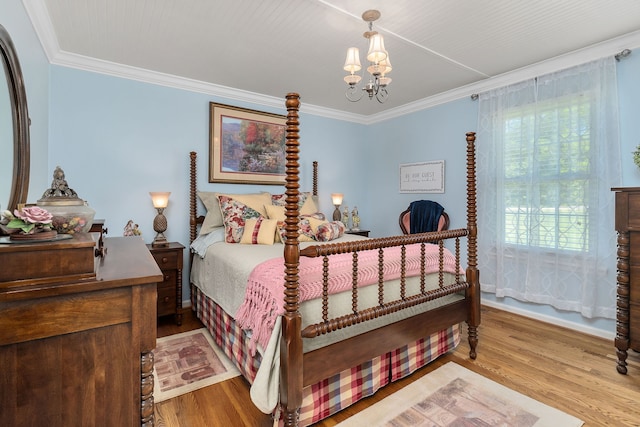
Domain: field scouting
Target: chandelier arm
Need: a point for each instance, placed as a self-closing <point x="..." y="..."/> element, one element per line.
<point x="351" y="94"/>
<point x="382" y="95"/>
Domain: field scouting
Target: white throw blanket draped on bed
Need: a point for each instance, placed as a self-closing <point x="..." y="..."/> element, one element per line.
<point x="264" y="298"/>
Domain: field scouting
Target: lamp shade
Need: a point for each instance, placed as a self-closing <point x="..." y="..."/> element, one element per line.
<point x="352" y="63"/>
<point x="337" y="198"/>
<point x="160" y="199"/>
<point x="377" y="51"/>
<point x="385" y="66"/>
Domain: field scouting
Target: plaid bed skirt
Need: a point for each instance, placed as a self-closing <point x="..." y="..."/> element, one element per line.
<point x="325" y="398"/>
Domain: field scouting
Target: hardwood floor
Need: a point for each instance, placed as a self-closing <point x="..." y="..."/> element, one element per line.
<point x="568" y="370"/>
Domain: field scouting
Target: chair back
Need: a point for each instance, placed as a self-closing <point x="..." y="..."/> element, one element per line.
<point x="423" y="207"/>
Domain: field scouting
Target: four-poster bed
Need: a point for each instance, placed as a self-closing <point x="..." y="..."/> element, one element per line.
<point x="413" y="280"/>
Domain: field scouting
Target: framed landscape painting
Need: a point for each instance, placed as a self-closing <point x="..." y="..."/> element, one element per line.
<point x="246" y="146"/>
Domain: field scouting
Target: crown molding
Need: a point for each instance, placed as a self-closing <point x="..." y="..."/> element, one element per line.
<point x="37" y="11"/>
<point x="39" y="16"/>
<point x="590" y="53"/>
<point x="86" y="63"/>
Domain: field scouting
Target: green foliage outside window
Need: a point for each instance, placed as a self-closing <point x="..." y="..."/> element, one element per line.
<point x="547" y="174"/>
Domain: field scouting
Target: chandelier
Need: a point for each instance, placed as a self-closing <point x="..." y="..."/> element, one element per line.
<point x="379" y="65"/>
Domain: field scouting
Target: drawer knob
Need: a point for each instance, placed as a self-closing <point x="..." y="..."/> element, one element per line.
<point x="166" y="277"/>
<point x="166" y="299"/>
<point x="165" y="260"/>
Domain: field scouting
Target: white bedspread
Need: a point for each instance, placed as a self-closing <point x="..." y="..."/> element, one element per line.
<point x="223" y="273"/>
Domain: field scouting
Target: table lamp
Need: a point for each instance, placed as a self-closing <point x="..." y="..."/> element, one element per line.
<point x="160" y="202"/>
<point x="337" y="201"/>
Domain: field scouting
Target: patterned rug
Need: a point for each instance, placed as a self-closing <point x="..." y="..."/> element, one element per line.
<point x="455" y="396"/>
<point x="186" y="362"/>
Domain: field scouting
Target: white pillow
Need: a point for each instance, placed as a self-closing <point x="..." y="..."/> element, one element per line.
<point x="202" y="242"/>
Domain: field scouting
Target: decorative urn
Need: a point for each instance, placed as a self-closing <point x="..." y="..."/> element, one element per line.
<point x="70" y="213"/>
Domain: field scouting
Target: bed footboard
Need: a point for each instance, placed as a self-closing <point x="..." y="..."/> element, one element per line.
<point x="296" y="369"/>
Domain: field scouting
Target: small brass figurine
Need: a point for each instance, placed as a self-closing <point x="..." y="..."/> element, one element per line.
<point x="355" y="219"/>
<point x="345" y="216"/>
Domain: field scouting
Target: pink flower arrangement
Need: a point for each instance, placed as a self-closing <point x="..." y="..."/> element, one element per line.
<point x="30" y="219"/>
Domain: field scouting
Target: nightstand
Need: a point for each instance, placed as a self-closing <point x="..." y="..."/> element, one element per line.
<point x="364" y="233"/>
<point x="169" y="259"/>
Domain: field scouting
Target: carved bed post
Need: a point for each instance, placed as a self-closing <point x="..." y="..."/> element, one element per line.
<point x="291" y="339"/>
<point x="192" y="197"/>
<point x="623" y="280"/>
<point x="473" y="275"/>
<point x="193" y="215"/>
<point x="315" y="178"/>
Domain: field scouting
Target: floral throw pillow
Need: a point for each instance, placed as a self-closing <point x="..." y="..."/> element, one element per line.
<point x="306" y="231"/>
<point x="234" y="216"/>
<point x="281" y="199"/>
<point x="328" y="231"/>
<point x="316" y="215"/>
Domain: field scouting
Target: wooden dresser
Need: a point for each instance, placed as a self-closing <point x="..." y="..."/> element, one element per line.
<point x="79" y="352"/>
<point x="628" y="278"/>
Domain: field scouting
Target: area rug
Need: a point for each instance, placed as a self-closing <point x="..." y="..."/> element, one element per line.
<point x="186" y="362"/>
<point x="455" y="396"/>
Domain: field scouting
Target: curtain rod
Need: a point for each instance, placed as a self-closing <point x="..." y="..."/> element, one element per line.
<point x="618" y="56"/>
<point x="622" y="54"/>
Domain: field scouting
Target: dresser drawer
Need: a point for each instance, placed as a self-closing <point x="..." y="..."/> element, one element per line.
<point x="166" y="260"/>
<point x="166" y="300"/>
<point x="169" y="279"/>
<point x="634" y="211"/>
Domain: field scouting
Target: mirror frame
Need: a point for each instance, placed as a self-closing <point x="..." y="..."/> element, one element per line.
<point x="20" y="118"/>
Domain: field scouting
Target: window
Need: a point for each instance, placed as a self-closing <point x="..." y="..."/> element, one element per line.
<point x="548" y="156"/>
<point x="547" y="173"/>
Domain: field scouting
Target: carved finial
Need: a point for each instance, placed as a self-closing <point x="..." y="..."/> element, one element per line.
<point x="59" y="186"/>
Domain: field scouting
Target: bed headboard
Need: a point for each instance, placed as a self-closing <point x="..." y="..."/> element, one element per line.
<point x="196" y="220"/>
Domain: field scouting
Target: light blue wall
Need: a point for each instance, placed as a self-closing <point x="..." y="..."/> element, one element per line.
<point x="35" y="70"/>
<point x="118" y="139"/>
<point x="629" y="99"/>
<point x="434" y="134"/>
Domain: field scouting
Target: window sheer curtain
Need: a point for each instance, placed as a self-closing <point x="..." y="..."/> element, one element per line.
<point x="580" y="280"/>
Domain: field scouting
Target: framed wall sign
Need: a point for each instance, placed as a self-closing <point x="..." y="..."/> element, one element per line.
<point x="246" y="146"/>
<point x="424" y="177"/>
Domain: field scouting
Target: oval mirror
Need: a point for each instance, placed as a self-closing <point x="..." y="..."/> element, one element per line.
<point x="13" y="185"/>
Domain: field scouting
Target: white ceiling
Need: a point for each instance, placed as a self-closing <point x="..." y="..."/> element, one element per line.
<point x="268" y="48"/>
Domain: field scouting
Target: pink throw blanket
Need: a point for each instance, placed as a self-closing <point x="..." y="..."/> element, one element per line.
<point x="264" y="297"/>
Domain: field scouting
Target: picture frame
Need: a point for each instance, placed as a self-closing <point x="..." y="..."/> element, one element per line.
<point x="246" y="146"/>
<point x="423" y="177"/>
